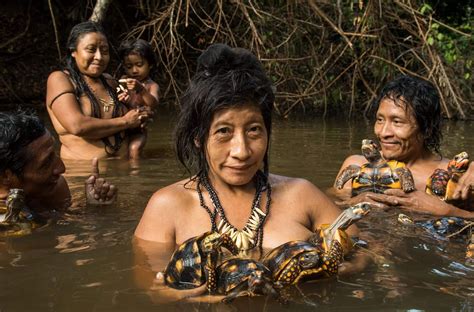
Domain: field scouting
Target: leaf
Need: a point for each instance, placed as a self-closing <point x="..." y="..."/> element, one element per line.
<point x="430" y="40"/>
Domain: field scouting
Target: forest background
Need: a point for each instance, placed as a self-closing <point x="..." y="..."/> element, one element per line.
<point x="324" y="57"/>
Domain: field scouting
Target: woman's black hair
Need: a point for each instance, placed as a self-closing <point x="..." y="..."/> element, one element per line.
<point x="422" y="97"/>
<point x="17" y="130"/>
<point x="139" y="47"/>
<point x="226" y="77"/>
<point x="81" y="87"/>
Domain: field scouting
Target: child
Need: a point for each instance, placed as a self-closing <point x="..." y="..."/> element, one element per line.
<point x="138" y="60"/>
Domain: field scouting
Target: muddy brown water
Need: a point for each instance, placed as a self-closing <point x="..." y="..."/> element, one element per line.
<point x="85" y="262"/>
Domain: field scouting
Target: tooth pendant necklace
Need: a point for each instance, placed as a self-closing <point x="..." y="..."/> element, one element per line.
<point x="251" y="234"/>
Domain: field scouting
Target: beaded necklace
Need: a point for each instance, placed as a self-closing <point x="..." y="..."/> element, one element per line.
<point x="251" y="234"/>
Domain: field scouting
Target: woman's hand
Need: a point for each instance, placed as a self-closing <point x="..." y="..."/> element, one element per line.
<point x="99" y="191"/>
<point x="136" y="117"/>
<point x="160" y="293"/>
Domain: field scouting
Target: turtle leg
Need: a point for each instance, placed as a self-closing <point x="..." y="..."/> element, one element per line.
<point x="348" y="173"/>
<point x="406" y="179"/>
<point x="210" y="271"/>
<point x="228" y="243"/>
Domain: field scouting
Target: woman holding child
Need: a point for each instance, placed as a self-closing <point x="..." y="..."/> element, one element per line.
<point x="82" y="102"/>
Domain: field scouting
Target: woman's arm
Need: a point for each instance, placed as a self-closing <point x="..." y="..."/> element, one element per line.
<point x="68" y="112"/>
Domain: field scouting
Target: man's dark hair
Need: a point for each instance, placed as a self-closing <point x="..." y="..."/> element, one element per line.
<point x="226" y="77"/>
<point x="17" y="130"/>
<point x="422" y="97"/>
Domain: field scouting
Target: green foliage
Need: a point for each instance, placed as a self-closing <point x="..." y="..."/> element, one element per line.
<point x="455" y="47"/>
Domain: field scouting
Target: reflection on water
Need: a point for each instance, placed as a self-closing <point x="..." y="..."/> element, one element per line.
<point x="86" y="261"/>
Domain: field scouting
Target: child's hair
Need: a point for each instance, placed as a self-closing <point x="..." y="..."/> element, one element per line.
<point x="139" y="47"/>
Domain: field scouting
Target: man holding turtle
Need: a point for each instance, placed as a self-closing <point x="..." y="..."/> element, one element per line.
<point x="408" y="126"/>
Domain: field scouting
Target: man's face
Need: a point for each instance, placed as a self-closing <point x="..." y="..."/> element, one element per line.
<point x="398" y="132"/>
<point x="43" y="169"/>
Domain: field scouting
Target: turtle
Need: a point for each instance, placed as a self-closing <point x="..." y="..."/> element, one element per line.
<point x="195" y="260"/>
<point x="336" y="230"/>
<point x="445" y="228"/>
<point x="442" y="228"/>
<point x="17" y="219"/>
<point x="317" y="257"/>
<point x="377" y="175"/>
<point x="442" y="183"/>
<point x="239" y="277"/>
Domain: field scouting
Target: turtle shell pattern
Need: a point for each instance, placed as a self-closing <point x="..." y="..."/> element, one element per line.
<point x="442" y="183"/>
<point x="283" y="262"/>
<point x="234" y="276"/>
<point x="185" y="270"/>
<point x="378" y="178"/>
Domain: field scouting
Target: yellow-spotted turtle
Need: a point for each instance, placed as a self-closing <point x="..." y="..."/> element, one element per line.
<point x="195" y="261"/>
<point x="318" y="257"/>
<point x="377" y="175"/>
<point x="442" y="183"/>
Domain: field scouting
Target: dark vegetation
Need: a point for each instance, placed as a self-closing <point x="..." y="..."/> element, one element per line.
<point x="325" y="57"/>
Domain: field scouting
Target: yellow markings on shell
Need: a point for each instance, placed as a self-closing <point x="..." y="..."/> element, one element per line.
<point x="179" y="264"/>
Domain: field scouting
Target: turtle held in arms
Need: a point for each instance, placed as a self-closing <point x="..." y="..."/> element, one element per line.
<point x="442" y="183"/>
<point x="378" y="174"/>
<point x="16" y="219"/>
<point x="320" y="256"/>
<point x="195" y="261"/>
<point x="244" y="277"/>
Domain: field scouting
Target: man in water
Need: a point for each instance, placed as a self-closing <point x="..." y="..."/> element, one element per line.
<point x="28" y="161"/>
<point x="408" y="128"/>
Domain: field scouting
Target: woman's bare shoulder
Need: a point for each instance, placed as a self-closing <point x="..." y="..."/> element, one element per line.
<point x="59" y="76"/>
<point x="290" y="184"/>
<point x="174" y="195"/>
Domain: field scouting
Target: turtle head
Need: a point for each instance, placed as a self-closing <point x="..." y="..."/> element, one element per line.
<point x="255" y="281"/>
<point x="361" y="209"/>
<point x="459" y="163"/>
<point x="308" y="260"/>
<point x="371" y="150"/>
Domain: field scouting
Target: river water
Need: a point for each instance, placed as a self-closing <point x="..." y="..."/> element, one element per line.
<point x="86" y="261"/>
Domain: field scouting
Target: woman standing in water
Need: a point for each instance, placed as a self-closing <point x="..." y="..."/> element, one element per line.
<point x="82" y="103"/>
<point x="222" y="139"/>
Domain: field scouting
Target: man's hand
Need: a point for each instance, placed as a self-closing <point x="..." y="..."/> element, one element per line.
<point x="99" y="191"/>
<point x="161" y="293"/>
<point x="465" y="186"/>
<point x="417" y="201"/>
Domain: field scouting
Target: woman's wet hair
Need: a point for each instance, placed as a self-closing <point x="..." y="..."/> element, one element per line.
<point x="17" y="130"/>
<point x="225" y="78"/>
<point x="422" y="97"/>
<point x="139" y="47"/>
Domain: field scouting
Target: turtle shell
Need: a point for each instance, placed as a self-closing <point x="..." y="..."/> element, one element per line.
<point x="289" y="261"/>
<point x="235" y="273"/>
<point x="377" y="177"/>
<point x="186" y="267"/>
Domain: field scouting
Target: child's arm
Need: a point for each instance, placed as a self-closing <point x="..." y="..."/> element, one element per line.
<point x="146" y="94"/>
